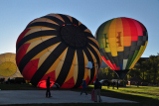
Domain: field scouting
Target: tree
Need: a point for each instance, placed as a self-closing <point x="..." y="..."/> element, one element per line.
<point x="106" y="73"/>
<point x="153" y="68"/>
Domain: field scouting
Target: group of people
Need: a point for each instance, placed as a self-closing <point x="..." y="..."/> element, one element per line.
<point x="95" y="92"/>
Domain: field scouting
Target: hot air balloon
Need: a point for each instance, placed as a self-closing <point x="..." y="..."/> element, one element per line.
<point x="122" y="41"/>
<point x="8" y="67"/>
<point x="58" y="46"/>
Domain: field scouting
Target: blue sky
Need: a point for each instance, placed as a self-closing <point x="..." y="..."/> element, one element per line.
<point x="16" y="14"/>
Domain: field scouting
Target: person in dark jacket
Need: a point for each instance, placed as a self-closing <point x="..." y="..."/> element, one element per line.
<point x="97" y="88"/>
<point x="48" y="93"/>
<point x="84" y="87"/>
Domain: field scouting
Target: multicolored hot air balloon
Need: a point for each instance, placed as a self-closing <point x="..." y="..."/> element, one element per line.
<point x="122" y="41"/>
<point x="58" y="46"/>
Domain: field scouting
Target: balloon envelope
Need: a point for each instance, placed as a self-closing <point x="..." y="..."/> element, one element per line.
<point x="8" y="67"/>
<point x="122" y="41"/>
<point x="58" y="46"/>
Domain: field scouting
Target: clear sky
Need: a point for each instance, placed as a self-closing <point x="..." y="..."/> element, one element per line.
<point x="16" y="14"/>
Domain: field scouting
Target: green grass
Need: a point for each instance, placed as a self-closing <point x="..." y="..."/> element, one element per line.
<point x="144" y="95"/>
<point x="144" y="91"/>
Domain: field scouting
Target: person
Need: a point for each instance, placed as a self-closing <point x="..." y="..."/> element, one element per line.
<point x="117" y="84"/>
<point x="97" y="88"/>
<point x="84" y="87"/>
<point x="48" y="93"/>
<point x="108" y="84"/>
<point x="113" y="84"/>
<point x="137" y="83"/>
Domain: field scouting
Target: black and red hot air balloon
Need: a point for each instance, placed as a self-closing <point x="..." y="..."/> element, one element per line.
<point x="58" y="46"/>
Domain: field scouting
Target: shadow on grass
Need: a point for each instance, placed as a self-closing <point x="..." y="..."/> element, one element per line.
<point x="24" y="86"/>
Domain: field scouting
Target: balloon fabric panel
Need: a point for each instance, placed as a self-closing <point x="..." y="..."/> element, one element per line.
<point x="112" y="38"/>
<point x="126" y="33"/>
<point x="132" y="30"/>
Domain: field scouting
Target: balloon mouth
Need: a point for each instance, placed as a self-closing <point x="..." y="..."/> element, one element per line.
<point x="73" y="36"/>
<point x="121" y="73"/>
<point x="42" y="84"/>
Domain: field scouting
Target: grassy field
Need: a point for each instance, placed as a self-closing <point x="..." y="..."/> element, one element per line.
<point x="143" y="91"/>
<point x="145" y="95"/>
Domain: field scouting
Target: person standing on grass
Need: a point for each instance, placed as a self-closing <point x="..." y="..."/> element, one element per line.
<point x="113" y="84"/>
<point x="84" y="87"/>
<point x="97" y="88"/>
<point x="48" y="93"/>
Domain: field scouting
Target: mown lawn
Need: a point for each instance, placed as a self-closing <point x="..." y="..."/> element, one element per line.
<point x="144" y="91"/>
<point x="144" y="95"/>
